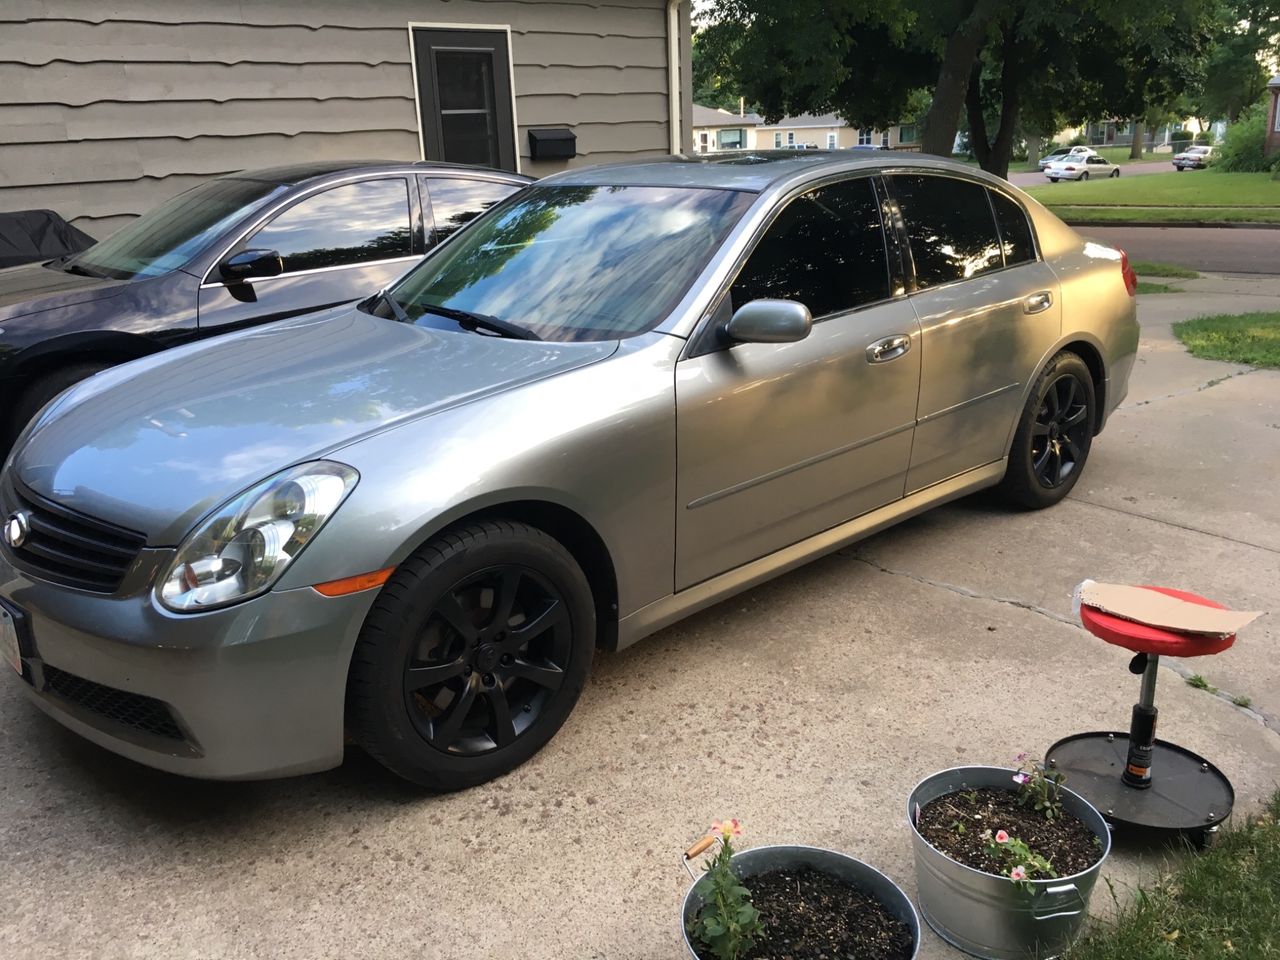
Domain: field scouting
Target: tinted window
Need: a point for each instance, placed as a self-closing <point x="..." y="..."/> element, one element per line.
<point x="168" y="236"/>
<point x="1015" y="231"/>
<point x="949" y="224"/>
<point x="825" y="250"/>
<point x="455" y="203"/>
<point x="354" y="223"/>
<point x="577" y="262"/>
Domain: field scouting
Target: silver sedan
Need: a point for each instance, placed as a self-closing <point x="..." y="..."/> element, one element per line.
<point x="624" y="394"/>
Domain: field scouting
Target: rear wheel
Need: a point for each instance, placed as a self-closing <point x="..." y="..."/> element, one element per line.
<point x="39" y="392"/>
<point x="1085" y="175"/>
<point x="473" y="655"/>
<point x="1054" y="435"/>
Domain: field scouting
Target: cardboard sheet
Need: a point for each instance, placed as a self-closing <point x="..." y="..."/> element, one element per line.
<point x="1160" y="610"/>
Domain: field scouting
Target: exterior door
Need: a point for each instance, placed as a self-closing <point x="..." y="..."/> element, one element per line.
<point x="464" y="96"/>
<point x="777" y="442"/>
<point x="988" y="311"/>
<point x="341" y="244"/>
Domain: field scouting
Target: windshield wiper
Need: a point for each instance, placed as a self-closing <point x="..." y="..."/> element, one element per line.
<point x="394" y="304"/>
<point x="471" y="321"/>
<point x="80" y="271"/>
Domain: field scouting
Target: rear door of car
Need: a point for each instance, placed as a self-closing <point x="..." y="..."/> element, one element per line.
<point x="338" y="244"/>
<point x="989" y="310"/>
<point x="450" y="203"/>
<point x="779" y="441"/>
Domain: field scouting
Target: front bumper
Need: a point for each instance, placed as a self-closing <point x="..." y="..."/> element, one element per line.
<point x="253" y="690"/>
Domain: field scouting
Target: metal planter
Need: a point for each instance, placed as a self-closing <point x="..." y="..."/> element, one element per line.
<point x="855" y="873"/>
<point x="990" y="916"/>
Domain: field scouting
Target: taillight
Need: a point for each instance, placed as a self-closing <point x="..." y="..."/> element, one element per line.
<point x="1072" y="169"/>
<point x="1130" y="278"/>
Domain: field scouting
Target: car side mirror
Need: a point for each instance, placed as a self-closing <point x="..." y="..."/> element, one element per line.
<point x="769" y="321"/>
<point x="248" y="264"/>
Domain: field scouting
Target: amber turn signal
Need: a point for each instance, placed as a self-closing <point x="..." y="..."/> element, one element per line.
<point x="361" y="581"/>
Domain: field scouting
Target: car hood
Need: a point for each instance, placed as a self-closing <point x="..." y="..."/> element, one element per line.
<point x="156" y="444"/>
<point x="32" y="287"/>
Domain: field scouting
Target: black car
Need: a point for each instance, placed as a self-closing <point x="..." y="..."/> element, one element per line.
<point x="237" y="250"/>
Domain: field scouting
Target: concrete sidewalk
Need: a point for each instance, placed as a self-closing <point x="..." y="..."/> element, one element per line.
<point x="808" y="707"/>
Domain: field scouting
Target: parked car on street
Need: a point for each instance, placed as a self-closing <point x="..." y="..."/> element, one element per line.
<point x="1066" y="153"/>
<point x="237" y="250"/>
<point x="1193" y="158"/>
<point x="624" y="394"/>
<point x="1081" y="168"/>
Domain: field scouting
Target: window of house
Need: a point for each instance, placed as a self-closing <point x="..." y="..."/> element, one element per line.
<point x="464" y="96"/>
<point x="826" y="249"/>
<point x="734" y="139"/>
<point x="777" y="140"/>
<point x="702" y="142"/>
<point x="831" y="141"/>
<point x="353" y="223"/>
<point x="454" y="202"/>
<point x="864" y="138"/>
<point x="907" y="133"/>
<point x="791" y="138"/>
<point x="950" y="227"/>
<point x="1015" y="231"/>
<point x="884" y="139"/>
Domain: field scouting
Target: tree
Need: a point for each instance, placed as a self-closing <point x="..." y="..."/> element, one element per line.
<point x="1246" y="33"/>
<point x="714" y="49"/>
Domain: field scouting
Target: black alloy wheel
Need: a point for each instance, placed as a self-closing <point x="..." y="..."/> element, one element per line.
<point x="1059" y="434"/>
<point x="488" y="659"/>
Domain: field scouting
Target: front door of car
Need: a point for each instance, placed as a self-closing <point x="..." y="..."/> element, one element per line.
<point x="988" y="310"/>
<point x="779" y="441"/>
<point x="336" y="246"/>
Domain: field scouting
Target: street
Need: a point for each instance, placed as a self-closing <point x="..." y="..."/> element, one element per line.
<point x="1211" y="249"/>
<point x="1036" y="178"/>
<point x="808" y="707"/>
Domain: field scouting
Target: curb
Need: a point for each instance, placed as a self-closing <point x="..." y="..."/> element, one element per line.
<point x="1173" y="224"/>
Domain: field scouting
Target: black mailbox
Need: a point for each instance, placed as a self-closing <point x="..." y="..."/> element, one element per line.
<point x="553" y="143"/>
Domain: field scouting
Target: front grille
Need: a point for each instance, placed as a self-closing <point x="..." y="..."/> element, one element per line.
<point x="69" y="548"/>
<point x="145" y="714"/>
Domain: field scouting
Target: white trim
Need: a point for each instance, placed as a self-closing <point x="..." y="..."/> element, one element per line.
<point x="673" y="74"/>
<point x="511" y="75"/>
<point x="412" y="258"/>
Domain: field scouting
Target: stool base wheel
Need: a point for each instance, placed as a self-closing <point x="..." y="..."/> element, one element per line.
<point x="1187" y="792"/>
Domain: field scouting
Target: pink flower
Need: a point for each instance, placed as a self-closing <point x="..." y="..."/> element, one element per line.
<point x="1002" y="836"/>
<point x="1022" y="757"/>
<point x="1021" y="778"/>
<point x="728" y="829"/>
<point x="1018" y="873"/>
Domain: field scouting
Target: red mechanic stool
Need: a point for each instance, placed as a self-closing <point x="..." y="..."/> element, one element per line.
<point x="1135" y="779"/>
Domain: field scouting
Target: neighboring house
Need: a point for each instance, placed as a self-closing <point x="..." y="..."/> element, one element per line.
<point x="830" y="132"/>
<point x="1273" y="118"/>
<point x="1119" y="133"/>
<point x="109" y="108"/>
<point x="721" y="130"/>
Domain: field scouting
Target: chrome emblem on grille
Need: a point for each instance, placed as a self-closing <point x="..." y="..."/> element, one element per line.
<point x="17" y="528"/>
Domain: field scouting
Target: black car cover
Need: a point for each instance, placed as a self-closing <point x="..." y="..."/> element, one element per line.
<point x="30" y="235"/>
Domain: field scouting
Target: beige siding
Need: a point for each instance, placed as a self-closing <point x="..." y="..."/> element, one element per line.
<point x="108" y="108"/>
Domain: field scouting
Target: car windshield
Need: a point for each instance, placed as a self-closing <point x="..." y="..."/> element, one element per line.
<point x="576" y="262"/>
<point x="1198" y="150"/>
<point x="165" y="238"/>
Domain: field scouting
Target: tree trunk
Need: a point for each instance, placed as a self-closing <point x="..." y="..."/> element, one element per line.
<point x="993" y="156"/>
<point x="1135" y="150"/>
<point x="1035" y="143"/>
<point x="939" y="126"/>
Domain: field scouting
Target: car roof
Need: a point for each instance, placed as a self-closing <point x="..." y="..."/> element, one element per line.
<point x="750" y="170"/>
<point x="293" y="174"/>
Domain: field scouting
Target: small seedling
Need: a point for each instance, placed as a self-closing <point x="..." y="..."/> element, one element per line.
<point x="957" y="827"/>
<point x="1039" y="787"/>
<point x="1200" y="683"/>
<point x="1242" y="701"/>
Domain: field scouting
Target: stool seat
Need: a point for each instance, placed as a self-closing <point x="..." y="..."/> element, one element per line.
<point x="1142" y="638"/>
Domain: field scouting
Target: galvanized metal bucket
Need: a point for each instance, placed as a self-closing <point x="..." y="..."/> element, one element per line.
<point x="855" y="873"/>
<point x="990" y="916"/>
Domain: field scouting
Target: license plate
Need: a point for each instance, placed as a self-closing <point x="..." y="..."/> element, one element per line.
<point x="9" y="641"/>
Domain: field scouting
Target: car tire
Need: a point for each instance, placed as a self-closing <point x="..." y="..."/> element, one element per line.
<point x="1054" y="435"/>
<point x="1085" y="175"/>
<point x="39" y="392"/>
<point x="444" y="694"/>
<point x="1115" y="173"/>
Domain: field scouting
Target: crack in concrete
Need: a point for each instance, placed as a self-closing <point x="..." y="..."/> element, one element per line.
<point x="1187" y="391"/>
<point x="1268" y="721"/>
<point x="1172" y="523"/>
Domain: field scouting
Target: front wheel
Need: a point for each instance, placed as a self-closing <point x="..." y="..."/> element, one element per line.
<point x="473" y="655"/>
<point x="1054" y="435"/>
<point x="1115" y="173"/>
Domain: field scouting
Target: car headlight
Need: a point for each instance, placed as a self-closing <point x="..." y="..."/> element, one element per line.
<point x="246" y="545"/>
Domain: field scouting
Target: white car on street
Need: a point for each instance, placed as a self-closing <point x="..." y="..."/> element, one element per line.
<point x="1193" y="158"/>
<point x="1081" y="168"/>
<point x="1065" y="154"/>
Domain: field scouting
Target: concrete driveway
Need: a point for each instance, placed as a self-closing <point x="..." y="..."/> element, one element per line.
<point x="808" y="708"/>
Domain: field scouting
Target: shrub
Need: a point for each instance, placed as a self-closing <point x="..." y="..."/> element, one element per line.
<point x="1079" y="140"/>
<point x="1204" y="138"/>
<point x="1243" y="149"/>
<point x="1180" y="140"/>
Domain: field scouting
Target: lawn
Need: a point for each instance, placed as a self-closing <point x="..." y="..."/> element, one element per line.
<point x="1221" y="903"/>
<point x="1145" y="268"/>
<point x="1145" y="287"/>
<point x="1165" y="197"/>
<point x="1252" y="338"/>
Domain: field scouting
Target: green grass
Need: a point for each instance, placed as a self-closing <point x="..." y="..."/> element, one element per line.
<point x="1200" y="683"/>
<point x="1103" y="215"/>
<point x="1252" y="338"/>
<point x="1167" y="197"/>
<point x="1223" y="903"/>
<point x="1145" y="269"/>
<point x="1120" y="156"/>
<point x="1242" y="701"/>
<point x="1145" y="287"/>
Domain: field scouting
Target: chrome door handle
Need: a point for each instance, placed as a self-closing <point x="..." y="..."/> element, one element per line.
<point x="1038" y="302"/>
<point x="890" y="348"/>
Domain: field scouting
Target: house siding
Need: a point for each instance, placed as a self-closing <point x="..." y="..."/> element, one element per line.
<point x="110" y="108"/>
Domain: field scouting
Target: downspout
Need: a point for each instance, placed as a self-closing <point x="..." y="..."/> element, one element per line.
<point x="673" y="73"/>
